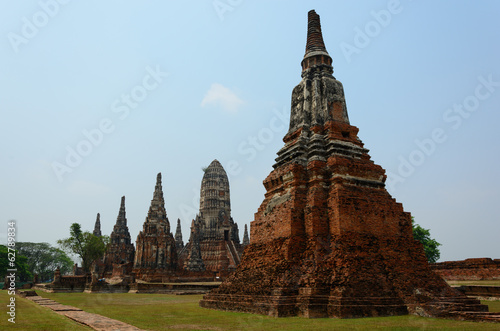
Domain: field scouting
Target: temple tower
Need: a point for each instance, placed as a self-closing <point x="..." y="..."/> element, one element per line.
<point x="194" y="262"/>
<point x="97" y="226"/>
<point x="216" y="232"/>
<point x="178" y="237"/>
<point x="120" y="251"/>
<point x="246" y="239"/>
<point x="328" y="240"/>
<point x="156" y="253"/>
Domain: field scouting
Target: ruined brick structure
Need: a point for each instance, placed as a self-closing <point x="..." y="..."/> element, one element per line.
<point x="328" y="240"/>
<point x="178" y="237"/>
<point x="97" y="226"/>
<point x="194" y="262"/>
<point x="120" y="252"/>
<point x="213" y="230"/>
<point x="156" y="253"/>
<point x="246" y="239"/>
<point x="469" y="269"/>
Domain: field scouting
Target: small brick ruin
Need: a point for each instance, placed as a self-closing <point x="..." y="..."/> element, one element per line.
<point x="469" y="269"/>
<point x="156" y="252"/>
<point x="214" y="244"/>
<point x="328" y="240"/>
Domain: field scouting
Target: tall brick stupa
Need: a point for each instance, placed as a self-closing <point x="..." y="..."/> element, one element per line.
<point x="156" y="252"/>
<point x="328" y="240"/>
<point x="214" y="244"/>
<point x="120" y="250"/>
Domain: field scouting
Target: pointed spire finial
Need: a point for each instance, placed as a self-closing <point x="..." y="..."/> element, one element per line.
<point x="157" y="212"/>
<point x="246" y="239"/>
<point x="122" y="218"/>
<point x="178" y="236"/>
<point x="315" y="47"/>
<point x="158" y="193"/>
<point x="97" y="226"/>
<point x="314" y="36"/>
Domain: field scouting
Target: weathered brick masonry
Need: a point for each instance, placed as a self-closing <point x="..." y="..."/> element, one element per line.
<point x="469" y="269"/>
<point x="156" y="253"/>
<point x="328" y="240"/>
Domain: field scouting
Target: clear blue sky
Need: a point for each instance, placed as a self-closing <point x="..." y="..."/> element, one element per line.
<point x="141" y="87"/>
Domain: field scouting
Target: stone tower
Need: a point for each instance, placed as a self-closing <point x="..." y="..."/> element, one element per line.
<point x="246" y="240"/>
<point x="328" y="240"/>
<point x="178" y="237"/>
<point x="215" y="229"/>
<point x="97" y="226"/>
<point x="156" y="253"/>
<point x="120" y="251"/>
<point x="194" y="262"/>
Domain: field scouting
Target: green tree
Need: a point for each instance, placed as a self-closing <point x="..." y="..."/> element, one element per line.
<point x="21" y="264"/>
<point x="43" y="259"/>
<point x="85" y="245"/>
<point x="430" y="245"/>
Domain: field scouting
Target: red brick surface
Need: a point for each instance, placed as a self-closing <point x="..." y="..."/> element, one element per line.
<point x="328" y="240"/>
<point x="469" y="269"/>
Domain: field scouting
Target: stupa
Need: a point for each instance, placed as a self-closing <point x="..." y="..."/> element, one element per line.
<point x="329" y="240"/>
<point x="156" y="252"/>
<point x="120" y="252"/>
<point x="214" y="242"/>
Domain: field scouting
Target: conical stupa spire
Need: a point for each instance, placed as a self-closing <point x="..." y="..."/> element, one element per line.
<point x="157" y="212"/>
<point x="121" y="219"/>
<point x="315" y="47"/>
<point x="314" y="35"/>
<point x="178" y="235"/>
<point x="246" y="239"/>
<point x="97" y="226"/>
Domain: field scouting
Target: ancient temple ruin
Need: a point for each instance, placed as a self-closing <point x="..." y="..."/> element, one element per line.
<point x="156" y="253"/>
<point x="214" y="234"/>
<point x="97" y="226"/>
<point x="179" y="243"/>
<point x="328" y="240"/>
<point x="119" y="256"/>
<point x="246" y="239"/>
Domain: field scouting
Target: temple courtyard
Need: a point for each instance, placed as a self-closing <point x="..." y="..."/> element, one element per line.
<point x="162" y="311"/>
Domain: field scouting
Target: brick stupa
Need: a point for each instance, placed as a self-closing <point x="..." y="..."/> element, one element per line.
<point x="214" y="244"/>
<point x="156" y="252"/>
<point x="120" y="252"/>
<point x="328" y="240"/>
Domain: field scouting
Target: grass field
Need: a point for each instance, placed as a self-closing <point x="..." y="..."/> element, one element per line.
<point x="30" y="316"/>
<point x="474" y="282"/>
<point x="159" y="312"/>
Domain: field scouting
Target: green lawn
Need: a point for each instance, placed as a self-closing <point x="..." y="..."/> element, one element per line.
<point x="474" y="282"/>
<point x="30" y="316"/>
<point x="159" y="312"/>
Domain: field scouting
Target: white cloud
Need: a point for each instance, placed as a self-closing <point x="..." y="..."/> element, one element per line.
<point x="220" y="95"/>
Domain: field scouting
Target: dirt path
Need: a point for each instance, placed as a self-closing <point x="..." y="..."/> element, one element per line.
<point x="95" y="321"/>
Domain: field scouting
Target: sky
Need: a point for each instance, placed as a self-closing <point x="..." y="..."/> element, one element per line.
<point x="97" y="97"/>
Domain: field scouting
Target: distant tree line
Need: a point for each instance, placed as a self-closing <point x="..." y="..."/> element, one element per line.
<point x="43" y="259"/>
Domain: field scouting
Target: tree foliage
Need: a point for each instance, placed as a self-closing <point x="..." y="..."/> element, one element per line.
<point x="430" y="245"/>
<point x="43" y="259"/>
<point x="85" y="245"/>
<point x="21" y="264"/>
